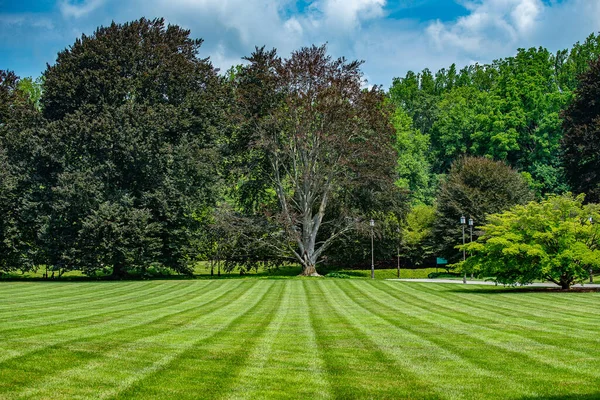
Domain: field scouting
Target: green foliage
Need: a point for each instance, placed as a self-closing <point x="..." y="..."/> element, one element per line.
<point x="550" y="240"/>
<point x="19" y="175"/>
<point x="581" y="144"/>
<point x="133" y="149"/>
<point x="474" y="188"/>
<point x="413" y="166"/>
<point x="336" y="274"/>
<point x="417" y="235"/>
<point x="508" y="110"/>
<point x="32" y="89"/>
<point x="313" y="152"/>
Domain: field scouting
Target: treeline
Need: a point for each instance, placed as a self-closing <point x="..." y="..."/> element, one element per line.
<point x="133" y="154"/>
<point x="509" y="110"/>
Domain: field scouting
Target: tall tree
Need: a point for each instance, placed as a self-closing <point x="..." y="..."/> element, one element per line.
<point x="581" y="142"/>
<point x="323" y="145"/>
<point x="19" y="174"/>
<point x="474" y="188"/>
<point x="134" y="118"/>
<point x="413" y="166"/>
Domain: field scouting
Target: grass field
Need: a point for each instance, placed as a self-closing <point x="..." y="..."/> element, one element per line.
<point x="295" y="338"/>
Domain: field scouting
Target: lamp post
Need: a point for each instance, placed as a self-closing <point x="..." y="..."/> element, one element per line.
<point x="591" y="270"/>
<point x="372" y="223"/>
<point x="471" y="235"/>
<point x="463" y="221"/>
<point x="398" y="253"/>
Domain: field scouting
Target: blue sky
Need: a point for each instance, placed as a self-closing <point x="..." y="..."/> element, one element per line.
<point x="392" y="36"/>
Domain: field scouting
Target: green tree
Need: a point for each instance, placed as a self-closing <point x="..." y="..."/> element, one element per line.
<point x="322" y="145"/>
<point x="19" y="175"/>
<point x="135" y="117"/>
<point x="413" y="165"/>
<point x="417" y="235"/>
<point x="474" y="188"/>
<point x="551" y="240"/>
<point x="32" y="89"/>
<point x="581" y="144"/>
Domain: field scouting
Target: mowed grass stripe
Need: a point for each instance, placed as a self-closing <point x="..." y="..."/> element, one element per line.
<point x="356" y="364"/>
<point x="537" y="305"/>
<point x="95" y="324"/>
<point x="93" y="341"/>
<point x="427" y="358"/>
<point x="64" y="296"/>
<point x="128" y="301"/>
<point x="197" y="360"/>
<point x="494" y="304"/>
<point x="500" y="347"/>
<point x="548" y="330"/>
<point x="417" y="354"/>
<point x="119" y="362"/>
<point x="20" y="346"/>
<point x="30" y="290"/>
<point x="248" y="381"/>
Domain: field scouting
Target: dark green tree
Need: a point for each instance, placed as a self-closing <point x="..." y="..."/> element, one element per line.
<point x="20" y="147"/>
<point x="581" y="142"/>
<point x="134" y="119"/>
<point x="474" y="188"/>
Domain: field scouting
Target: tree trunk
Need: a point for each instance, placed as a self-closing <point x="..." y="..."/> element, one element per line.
<point x="565" y="283"/>
<point x="118" y="271"/>
<point x="309" y="270"/>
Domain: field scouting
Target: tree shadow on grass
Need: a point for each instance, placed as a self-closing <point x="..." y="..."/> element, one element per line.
<point x="587" y="396"/>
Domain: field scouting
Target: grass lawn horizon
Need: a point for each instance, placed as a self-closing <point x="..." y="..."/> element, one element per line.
<point x="295" y="338"/>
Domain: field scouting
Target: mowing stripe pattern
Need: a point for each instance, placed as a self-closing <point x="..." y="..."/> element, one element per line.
<point x="295" y="338"/>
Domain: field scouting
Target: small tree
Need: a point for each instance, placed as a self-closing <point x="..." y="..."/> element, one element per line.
<point x="552" y="240"/>
<point x="475" y="187"/>
<point x="417" y="238"/>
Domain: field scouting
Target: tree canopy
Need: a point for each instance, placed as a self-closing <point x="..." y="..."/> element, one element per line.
<point x="133" y="120"/>
<point x="581" y="142"/>
<point x="554" y="239"/>
<point x="319" y="143"/>
<point x="474" y="188"/>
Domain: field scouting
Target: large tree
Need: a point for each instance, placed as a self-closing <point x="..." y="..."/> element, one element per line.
<point x="134" y="116"/>
<point x="19" y="174"/>
<point x="319" y="148"/>
<point x="553" y="240"/>
<point x="581" y="142"/>
<point x="474" y="188"/>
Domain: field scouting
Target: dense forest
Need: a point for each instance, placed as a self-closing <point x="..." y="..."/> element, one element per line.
<point x="133" y="154"/>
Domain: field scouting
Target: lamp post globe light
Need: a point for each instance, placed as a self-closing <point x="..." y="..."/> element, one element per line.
<point x="372" y="224"/>
<point x="463" y="221"/>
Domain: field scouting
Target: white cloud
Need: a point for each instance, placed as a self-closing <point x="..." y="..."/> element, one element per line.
<point x="70" y="9"/>
<point x="356" y="29"/>
<point x="347" y="14"/>
<point x="490" y="25"/>
<point x="26" y="19"/>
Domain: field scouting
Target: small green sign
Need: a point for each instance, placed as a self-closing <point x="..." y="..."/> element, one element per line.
<point x="441" y="261"/>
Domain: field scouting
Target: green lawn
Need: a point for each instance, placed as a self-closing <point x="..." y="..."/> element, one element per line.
<point x="295" y="338"/>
